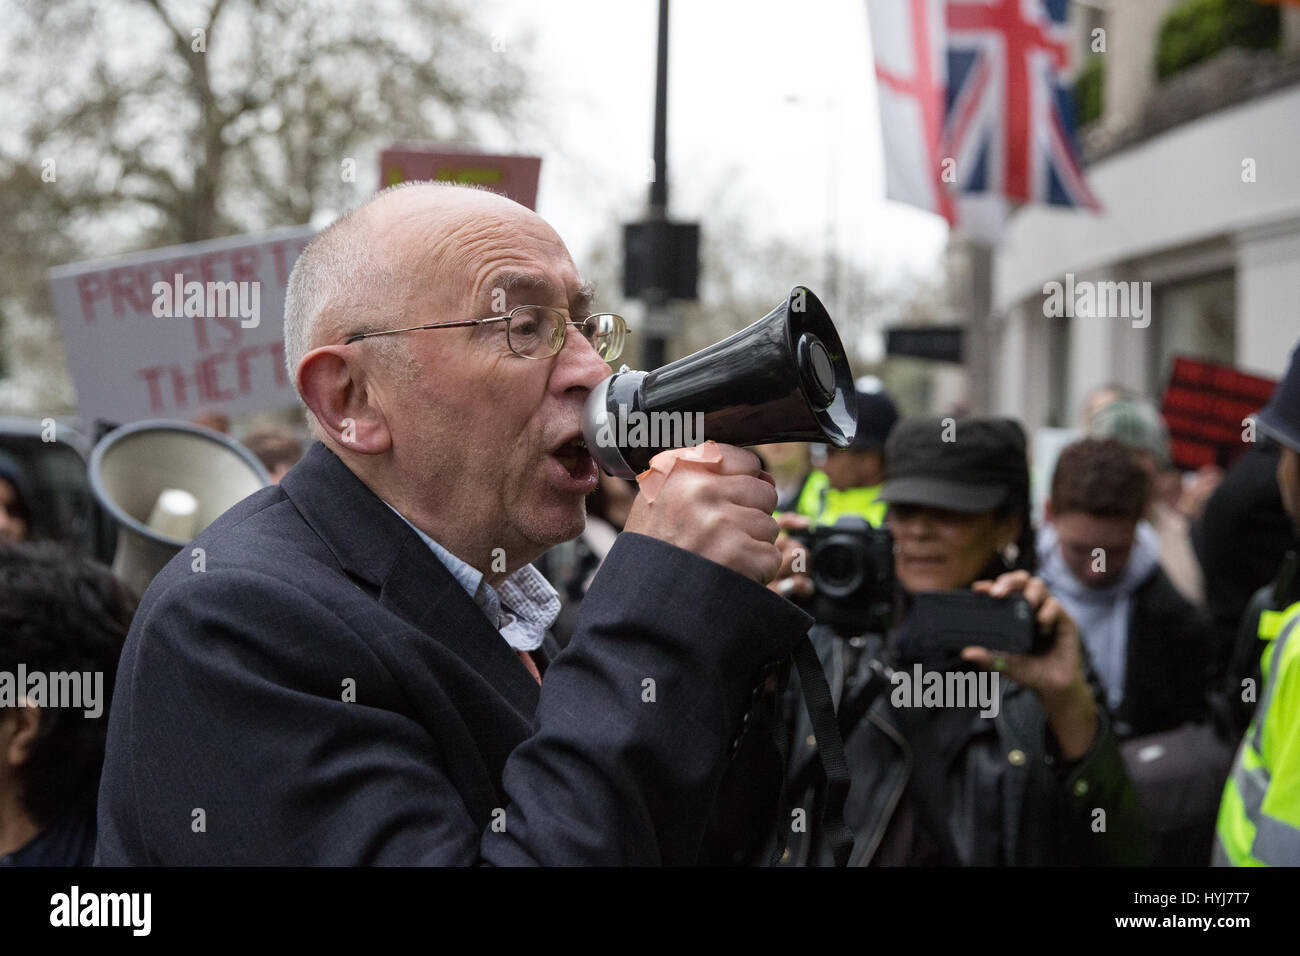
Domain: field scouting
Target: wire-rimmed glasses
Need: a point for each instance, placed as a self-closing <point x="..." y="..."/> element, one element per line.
<point x="537" y="331"/>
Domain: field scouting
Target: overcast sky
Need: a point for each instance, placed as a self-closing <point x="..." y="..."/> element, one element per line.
<point x="772" y="112"/>
<point x="771" y="107"/>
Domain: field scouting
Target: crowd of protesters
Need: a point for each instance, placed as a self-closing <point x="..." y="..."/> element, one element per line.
<point x="1160" y="658"/>
<point x="1153" y="577"/>
<point x="1145" y="726"/>
<point x="1130" y="550"/>
<point x="1152" y="581"/>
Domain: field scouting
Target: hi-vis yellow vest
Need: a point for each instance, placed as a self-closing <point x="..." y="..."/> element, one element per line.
<point x="1259" y="819"/>
<point x="822" y="504"/>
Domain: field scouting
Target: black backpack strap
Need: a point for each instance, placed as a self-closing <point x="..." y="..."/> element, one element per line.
<point x="830" y="750"/>
<point x="811" y="775"/>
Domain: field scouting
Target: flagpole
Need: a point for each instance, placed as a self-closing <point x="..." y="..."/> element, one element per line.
<point x="979" y="329"/>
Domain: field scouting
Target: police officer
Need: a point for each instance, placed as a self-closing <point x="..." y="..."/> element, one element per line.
<point x="849" y="481"/>
<point x="1259" y="818"/>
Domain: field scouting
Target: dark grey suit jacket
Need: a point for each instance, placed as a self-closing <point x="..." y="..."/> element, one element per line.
<point x="230" y="741"/>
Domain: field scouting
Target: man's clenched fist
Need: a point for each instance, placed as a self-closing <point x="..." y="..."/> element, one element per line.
<point x="719" y="510"/>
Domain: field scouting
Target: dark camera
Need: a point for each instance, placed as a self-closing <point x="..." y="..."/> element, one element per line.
<point x="852" y="569"/>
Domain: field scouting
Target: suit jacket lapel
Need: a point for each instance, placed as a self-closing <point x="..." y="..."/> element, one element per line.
<point x="372" y="544"/>
<point x="444" y="611"/>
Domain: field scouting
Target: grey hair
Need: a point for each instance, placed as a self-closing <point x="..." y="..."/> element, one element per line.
<point x="342" y="284"/>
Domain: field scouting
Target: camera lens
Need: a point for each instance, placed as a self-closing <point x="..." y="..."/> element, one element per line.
<point x="838" y="566"/>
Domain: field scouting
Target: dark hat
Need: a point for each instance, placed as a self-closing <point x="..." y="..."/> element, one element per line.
<point x="971" y="465"/>
<point x="1280" y="418"/>
<point x="877" y="415"/>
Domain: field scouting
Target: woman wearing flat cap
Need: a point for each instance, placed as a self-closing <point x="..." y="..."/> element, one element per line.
<point x="1031" y="776"/>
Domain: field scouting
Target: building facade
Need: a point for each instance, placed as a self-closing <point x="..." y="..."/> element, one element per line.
<point x="1197" y="248"/>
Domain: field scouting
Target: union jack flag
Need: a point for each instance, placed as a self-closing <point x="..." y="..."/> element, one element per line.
<point x="973" y="101"/>
<point x="1009" y="118"/>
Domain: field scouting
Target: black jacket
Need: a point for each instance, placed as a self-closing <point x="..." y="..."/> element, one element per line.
<point x="67" y="841"/>
<point x="1010" y="799"/>
<point x="1232" y="708"/>
<point x="1169" y="661"/>
<point x="232" y="739"/>
<point x="1240" y="540"/>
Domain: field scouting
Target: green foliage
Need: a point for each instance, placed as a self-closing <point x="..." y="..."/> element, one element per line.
<point x="1197" y="29"/>
<point x="1087" y="92"/>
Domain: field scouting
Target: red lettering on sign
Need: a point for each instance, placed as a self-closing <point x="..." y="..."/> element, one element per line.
<point x="244" y="359"/>
<point x="210" y="378"/>
<point x="89" y="289"/>
<point x="152" y="377"/>
<point x="1204" y="406"/>
<point x="122" y="284"/>
<point x="231" y="324"/>
<point x="1210" y="404"/>
<point x="181" y="384"/>
<point x="243" y="265"/>
<point x="201" y="331"/>
<point x="202" y="383"/>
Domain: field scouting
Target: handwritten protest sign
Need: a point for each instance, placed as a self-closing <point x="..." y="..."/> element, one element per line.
<point x="171" y="333"/>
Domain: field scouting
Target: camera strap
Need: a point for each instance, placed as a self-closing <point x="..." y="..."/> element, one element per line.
<point x="830" y="749"/>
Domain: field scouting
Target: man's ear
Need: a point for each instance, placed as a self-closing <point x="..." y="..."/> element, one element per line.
<point x="1047" y="511"/>
<point x="22" y="724"/>
<point x="333" y="382"/>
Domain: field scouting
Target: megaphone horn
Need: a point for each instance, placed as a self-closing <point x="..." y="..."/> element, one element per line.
<point x="784" y="378"/>
<point x="164" y="482"/>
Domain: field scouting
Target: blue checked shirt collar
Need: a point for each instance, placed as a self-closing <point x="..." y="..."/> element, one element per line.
<point x="524" y="610"/>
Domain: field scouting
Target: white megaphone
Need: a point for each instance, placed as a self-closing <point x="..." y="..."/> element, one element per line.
<point x="164" y="482"/>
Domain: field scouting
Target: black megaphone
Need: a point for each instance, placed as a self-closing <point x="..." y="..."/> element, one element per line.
<point x="784" y="378"/>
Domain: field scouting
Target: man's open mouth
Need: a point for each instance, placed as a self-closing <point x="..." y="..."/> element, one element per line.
<point x="575" y="458"/>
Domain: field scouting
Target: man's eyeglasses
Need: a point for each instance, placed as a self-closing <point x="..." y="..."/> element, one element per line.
<point x="537" y="332"/>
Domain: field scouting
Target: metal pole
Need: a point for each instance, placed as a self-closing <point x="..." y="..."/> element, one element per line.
<point x="978" y="346"/>
<point x="659" y="188"/>
<point x="655" y="345"/>
<point x="832" y="231"/>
